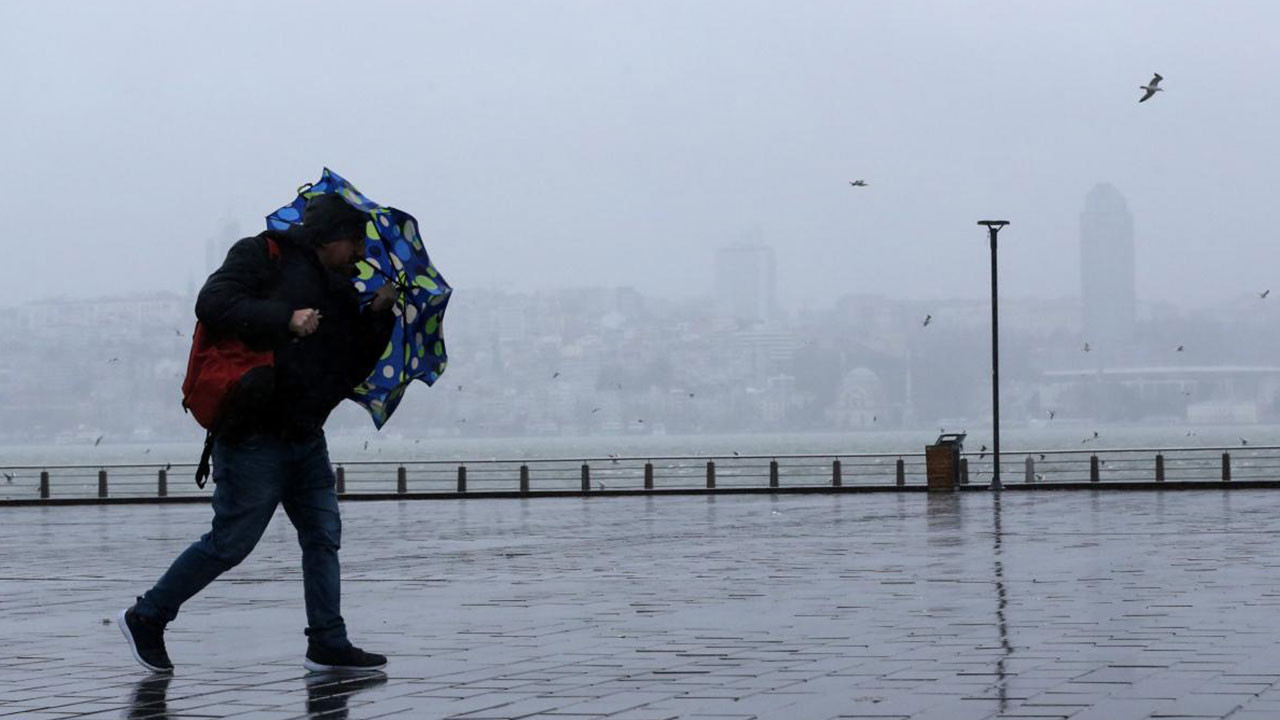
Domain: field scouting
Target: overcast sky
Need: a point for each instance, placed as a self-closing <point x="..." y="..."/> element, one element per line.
<point x="544" y="144"/>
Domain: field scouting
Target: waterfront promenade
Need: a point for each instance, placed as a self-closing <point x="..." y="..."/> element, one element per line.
<point x="1083" y="605"/>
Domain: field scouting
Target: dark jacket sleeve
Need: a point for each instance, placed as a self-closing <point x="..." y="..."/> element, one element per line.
<point x="234" y="298"/>
<point x="368" y="342"/>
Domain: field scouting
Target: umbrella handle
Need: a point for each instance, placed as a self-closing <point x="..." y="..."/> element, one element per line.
<point x="304" y="187"/>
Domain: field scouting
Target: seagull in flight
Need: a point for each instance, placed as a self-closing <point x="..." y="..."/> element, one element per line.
<point x="1086" y="347"/>
<point x="1264" y="293"/>
<point x="927" y="319"/>
<point x="1179" y="349"/>
<point x="858" y="183"/>
<point x="1152" y="88"/>
<point x="1052" y="413"/>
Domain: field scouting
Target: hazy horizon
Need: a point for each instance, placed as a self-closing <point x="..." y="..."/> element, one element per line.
<point x="623" y="142"/>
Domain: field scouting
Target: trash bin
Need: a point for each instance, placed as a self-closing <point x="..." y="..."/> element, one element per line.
<point x="942" y="461"/>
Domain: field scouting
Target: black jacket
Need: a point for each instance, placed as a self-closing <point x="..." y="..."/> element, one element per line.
<point x="253" y="297"/>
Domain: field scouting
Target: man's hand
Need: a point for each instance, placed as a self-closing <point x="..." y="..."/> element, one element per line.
<point x="304" y="322"/>
<point x="383" y="298"/>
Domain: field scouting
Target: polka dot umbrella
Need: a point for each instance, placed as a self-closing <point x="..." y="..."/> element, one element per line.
<point x="394" y="254"/>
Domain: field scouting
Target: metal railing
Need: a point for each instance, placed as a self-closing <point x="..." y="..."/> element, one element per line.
<point x="1111" y="467"/>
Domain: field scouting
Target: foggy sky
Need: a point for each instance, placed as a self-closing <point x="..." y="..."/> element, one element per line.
<point x="553" y="144"/>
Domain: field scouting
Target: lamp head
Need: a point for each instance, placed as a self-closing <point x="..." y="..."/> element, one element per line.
<point x="997" y="224"/>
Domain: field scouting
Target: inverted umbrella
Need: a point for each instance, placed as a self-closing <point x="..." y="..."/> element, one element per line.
<point x="394" y="254"/>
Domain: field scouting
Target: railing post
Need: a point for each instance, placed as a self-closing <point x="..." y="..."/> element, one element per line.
<point x="1226" y="467"/>
<point x="836" y="479"/>
<point x="162" y="483"/>
<point x="102" y="483"/>
<point x="648" y="476"/>
<point x="901" y="473"/>
<point x="44" y="484"/>
<point x="586" y="477"/>
<point x="964" y="471"/>
<point x="1159" y="467"/>
<point x="340" y="479"/>
<point x="524" y="479"/>
<point x="711" y="474"/>
<point x="1093" y="469"/>
<point x="1030" y="470"/>
<point x="773" y="473"/>
<point x="462" y="478"/>
<point x="402" y="480"/>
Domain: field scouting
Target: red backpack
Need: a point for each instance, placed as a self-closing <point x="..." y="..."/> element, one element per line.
<point x="214" y="368"/>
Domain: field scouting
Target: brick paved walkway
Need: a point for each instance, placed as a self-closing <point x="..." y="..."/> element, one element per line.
<point x="1090" y="606"/>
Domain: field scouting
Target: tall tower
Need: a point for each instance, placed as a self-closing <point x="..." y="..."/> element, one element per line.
<point x="1107" y="267"/>
<point x="746" y="283"/>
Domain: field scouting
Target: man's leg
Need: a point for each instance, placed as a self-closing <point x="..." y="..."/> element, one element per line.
<point x="248" y="476"/>
<point x="311" y="499"/>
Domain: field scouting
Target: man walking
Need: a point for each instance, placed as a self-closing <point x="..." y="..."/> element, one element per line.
<point x="297" y="300"/>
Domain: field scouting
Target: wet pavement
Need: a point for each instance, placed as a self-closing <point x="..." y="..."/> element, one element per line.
<point x="1082" y="605"/>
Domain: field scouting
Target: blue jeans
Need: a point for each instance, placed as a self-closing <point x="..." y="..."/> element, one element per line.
<point x="251" y="478"/>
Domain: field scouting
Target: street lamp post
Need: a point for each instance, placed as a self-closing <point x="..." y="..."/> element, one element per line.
<point x="993" y="229"/>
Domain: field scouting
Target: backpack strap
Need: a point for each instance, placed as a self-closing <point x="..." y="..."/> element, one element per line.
<point x="202" y="470"/>
<point x="273" y="249"/>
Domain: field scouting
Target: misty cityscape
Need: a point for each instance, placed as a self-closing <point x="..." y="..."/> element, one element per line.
<point x="601" y="361"/>
<point x="640" y="359"/>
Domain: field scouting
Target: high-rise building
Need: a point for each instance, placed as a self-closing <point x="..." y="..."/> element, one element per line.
<point x="1107" y="268"/>
<point x="746" y="283"/>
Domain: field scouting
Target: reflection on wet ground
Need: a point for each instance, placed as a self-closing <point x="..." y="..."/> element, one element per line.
<point x="1073" y="605"/>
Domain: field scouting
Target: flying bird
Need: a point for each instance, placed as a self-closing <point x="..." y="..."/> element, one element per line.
<point x="595" y="410"/>
<point x="1179" y="349"/>
<point x="982" y="452"/>
<point x="1264" y="293"/>
<point x="177" y="332"/>
<point x="98" y="441"/>
<point x="8" y="477"/>
<point x="927" y="319"/>
<point x="1087" y="348"/>
<point x="1052" y="413"/>
<point x="858" y="183"/>
<point x="555" y="375"/>
<point x="1152" y="88"/>
<point x="1243" y="441"/>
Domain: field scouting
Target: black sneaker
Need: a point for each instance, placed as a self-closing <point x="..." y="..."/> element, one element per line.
<point x="146" y="640"/>
<point x="347" y="659"/>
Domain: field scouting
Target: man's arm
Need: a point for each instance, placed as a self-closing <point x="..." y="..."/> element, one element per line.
<point x="233" y="298"/>
<point x="369" y="340"/>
